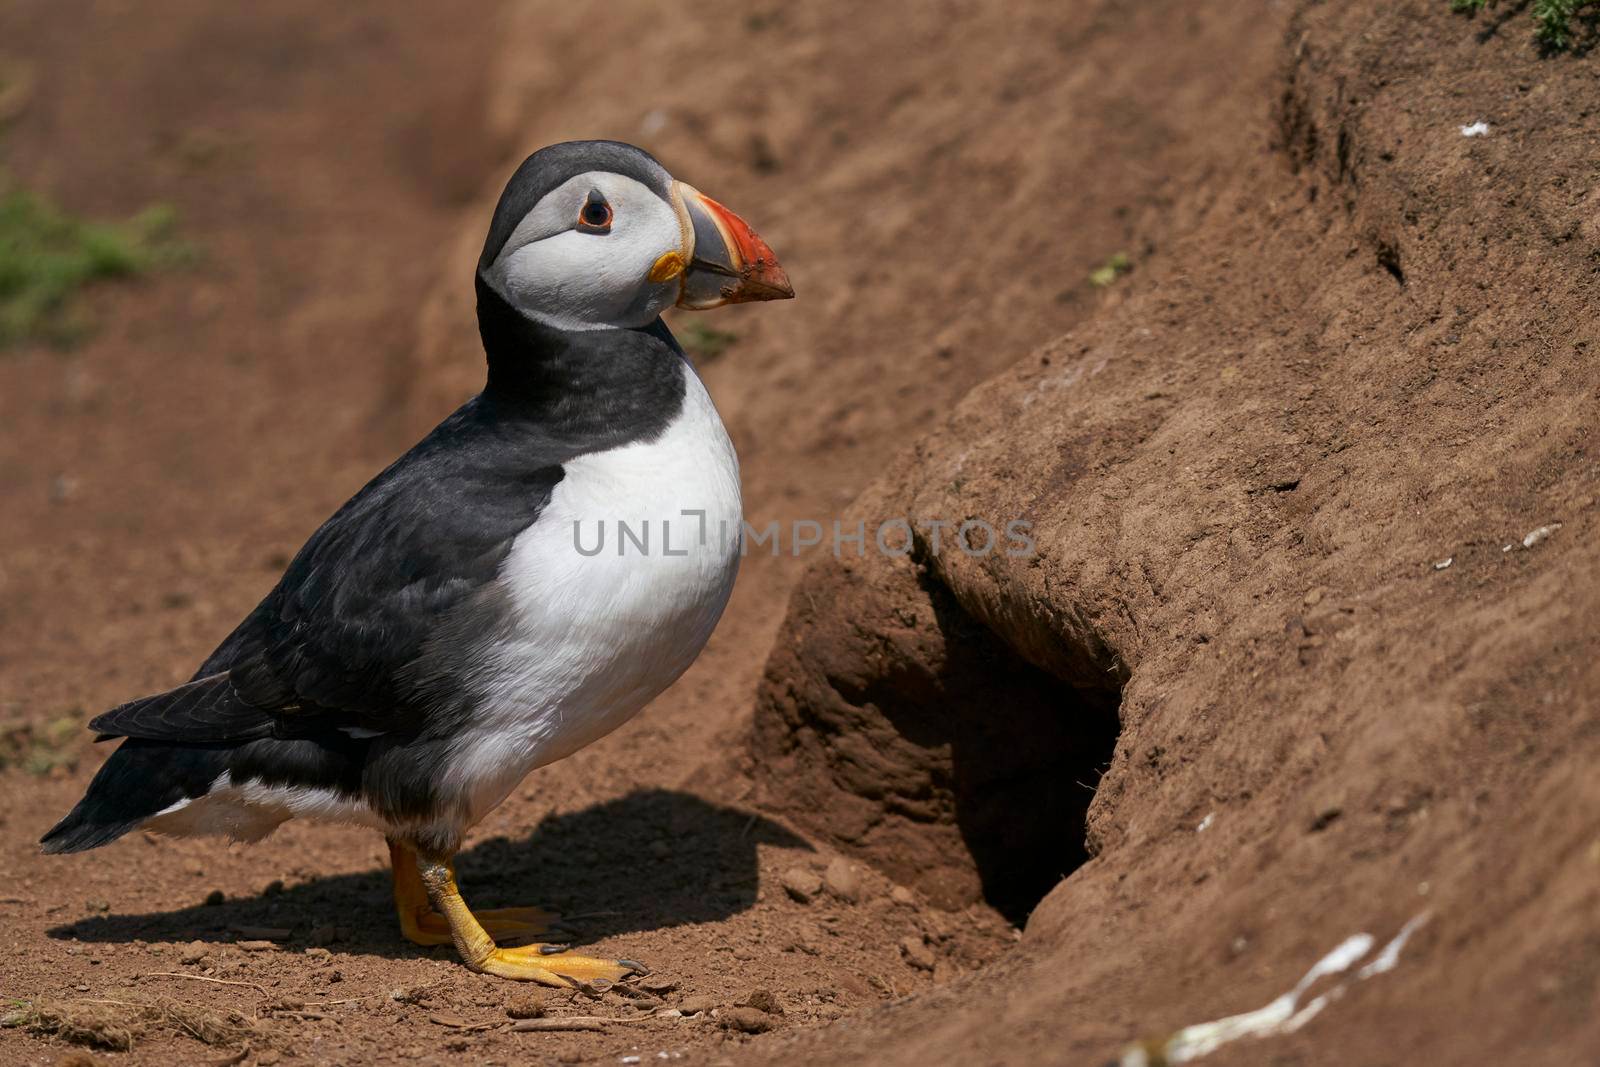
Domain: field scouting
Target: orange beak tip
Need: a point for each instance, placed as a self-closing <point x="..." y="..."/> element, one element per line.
<point x="761" y="277"/>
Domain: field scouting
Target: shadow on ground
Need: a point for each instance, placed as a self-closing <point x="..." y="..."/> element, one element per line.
<point x="652" y="859"/>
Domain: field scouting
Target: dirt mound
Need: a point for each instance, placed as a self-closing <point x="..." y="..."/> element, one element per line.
<point x="1315" y="494"/>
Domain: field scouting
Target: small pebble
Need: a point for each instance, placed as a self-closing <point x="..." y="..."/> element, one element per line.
<point x="842" y="880"/>
<point x="194" y="952"/>
<point x="901" y="895"/>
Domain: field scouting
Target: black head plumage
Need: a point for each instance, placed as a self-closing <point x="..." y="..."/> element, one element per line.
<point x="550" y="166"/>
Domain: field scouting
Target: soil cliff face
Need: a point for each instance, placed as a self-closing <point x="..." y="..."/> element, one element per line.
<point x="1315" y="498"/>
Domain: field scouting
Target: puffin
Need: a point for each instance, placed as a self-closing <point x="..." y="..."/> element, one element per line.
<point x="453" y="626"/>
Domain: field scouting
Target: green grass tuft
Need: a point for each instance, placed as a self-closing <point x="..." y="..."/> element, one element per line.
<point x="40" y="748"/>
<point x="1109" y="271"/>
<point x="48" y="256"/>
<point x="1552" y="19"/>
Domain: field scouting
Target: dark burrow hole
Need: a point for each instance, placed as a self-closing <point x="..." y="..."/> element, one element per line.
<point x="1027" y="750"/>
<point x="1389" y="260"/>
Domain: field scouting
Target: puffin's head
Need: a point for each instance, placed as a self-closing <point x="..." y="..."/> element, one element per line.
<point x="596" y="234"/>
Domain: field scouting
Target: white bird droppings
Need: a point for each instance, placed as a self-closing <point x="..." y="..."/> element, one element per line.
<point x="1285" y="1014"/>
<point x="1476" y="129"/>
<point x="1385" y="960"/>
<point x="1443" y="563"/>
<point x="1205" y="823"/>
<point x="1535" y="536"/>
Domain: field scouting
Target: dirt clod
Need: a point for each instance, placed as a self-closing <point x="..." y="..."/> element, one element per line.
<point x="802" y="884"/>
<point x="762" y="1000"/>
<point x="917" y="953"/>
<point x="78" y="1059"/>
<point x="746" y="1020"/>
<point x="695" y="1005"/>
<point x="525" y="1006"/>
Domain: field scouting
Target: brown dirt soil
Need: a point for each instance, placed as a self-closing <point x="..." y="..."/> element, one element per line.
<point x="1354" y="344"/>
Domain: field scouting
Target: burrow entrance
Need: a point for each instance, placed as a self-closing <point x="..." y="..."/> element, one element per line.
<point x="1026" y="754"/>
<point x="937" y="753"/>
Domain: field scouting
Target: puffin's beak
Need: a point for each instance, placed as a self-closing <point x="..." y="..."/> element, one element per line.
<point x="728" y="262"/>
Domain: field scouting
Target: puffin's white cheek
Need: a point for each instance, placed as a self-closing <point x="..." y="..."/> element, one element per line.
<point x="581" y="280"/>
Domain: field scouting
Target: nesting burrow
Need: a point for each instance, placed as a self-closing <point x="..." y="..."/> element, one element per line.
<point x="895" y="726"/>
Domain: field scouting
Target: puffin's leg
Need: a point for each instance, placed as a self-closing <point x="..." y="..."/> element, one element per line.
<point x="548" y="965"/>
<point x="420" y="923"/>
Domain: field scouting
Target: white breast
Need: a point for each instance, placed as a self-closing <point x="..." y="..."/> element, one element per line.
<point x="602" y="619"/>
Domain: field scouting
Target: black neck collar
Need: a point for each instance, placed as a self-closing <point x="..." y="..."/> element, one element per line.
<point x="612" y="383"/>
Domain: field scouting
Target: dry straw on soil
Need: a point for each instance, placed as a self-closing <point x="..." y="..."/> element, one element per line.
<point x="117" y="1025"/>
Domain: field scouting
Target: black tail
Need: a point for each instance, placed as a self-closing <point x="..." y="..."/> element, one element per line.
<point x="141" y="778"/>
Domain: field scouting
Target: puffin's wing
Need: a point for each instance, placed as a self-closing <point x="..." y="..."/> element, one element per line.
<point x="207" y="709"/>
<point x="371" y="621"/>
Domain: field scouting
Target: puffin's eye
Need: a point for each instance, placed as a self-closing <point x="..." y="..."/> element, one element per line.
<point x="595" y="216"/>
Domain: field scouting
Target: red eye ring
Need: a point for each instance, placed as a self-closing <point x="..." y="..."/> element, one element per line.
<point x="595" y="215"/>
